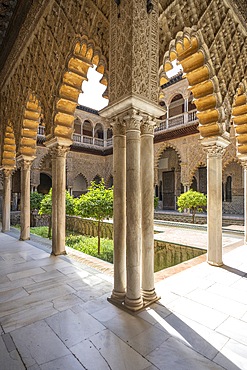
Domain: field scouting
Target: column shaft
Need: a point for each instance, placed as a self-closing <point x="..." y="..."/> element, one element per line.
<point x="214" y="205"/>
<point x="58" y="200"/>
<point x="147" y="193"/>
<point x="25" y="200"/>
<point x="245" y="204"/>
<point x="133" y="299"/>
<point x="54" y="202"/>
<point x="119" y="217"/>
<point x="6" y="201"/>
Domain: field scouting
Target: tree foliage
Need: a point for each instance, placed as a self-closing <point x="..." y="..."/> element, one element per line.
<point x="192" y="200"/>
<point x="97" y="203"/>
<point x="46" y="207"/>
<point x="35" y="200"/>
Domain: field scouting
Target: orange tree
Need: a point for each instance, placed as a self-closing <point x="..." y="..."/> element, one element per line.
<point x="192" y="200"/>
<point x="97" y="203"/>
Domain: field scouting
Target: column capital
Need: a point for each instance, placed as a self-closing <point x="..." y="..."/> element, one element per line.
<point x="132" y="119"/>
<point x="147" y="126"/>
<point x="118" y="126"/>
<point x="214" y="150"/>
<point x="59" y="151"/>
<point x="25" y="161"/>
<point x="7" y="171"/>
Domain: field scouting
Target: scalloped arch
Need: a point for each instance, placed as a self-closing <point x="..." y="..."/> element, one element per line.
<point x="162" y="149"/>
<point x="239" y="118"/>
<point x="190" y="50"/>
<point x="195" y="168"/>
<point x="9" y="148"/>
<point x="30" y="126"/>
<point x="43" y="158"/>
<point x="229" y="161"/>
<point x="84" y="55"/>
<point x="84" y="177"/>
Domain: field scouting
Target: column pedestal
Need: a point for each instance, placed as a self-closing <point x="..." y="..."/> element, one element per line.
<point x="6" y="200"/>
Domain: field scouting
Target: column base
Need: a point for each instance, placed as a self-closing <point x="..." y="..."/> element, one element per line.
<point x="133" y="304"/>
<point x="23" y="239"/>
<point x="118" y="296"/>
<point x="149" y="295"/>
<point x="58" y="253"/>
<point x="216" y="264"/>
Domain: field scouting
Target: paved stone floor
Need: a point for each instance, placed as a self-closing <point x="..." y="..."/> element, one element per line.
<point x="54" y="315"/>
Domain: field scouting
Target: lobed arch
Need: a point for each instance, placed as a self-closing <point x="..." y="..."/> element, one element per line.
<point x="162" y="149"/>
<point x="239" y="118"/>
<point x="230" y="161"/>
<point x="192" y="172"/>
<point x="29" y="130"/>
<point x="190" y="50"/>
<point x="9" y="148"/>
<point x="42" y="160"/>
<point x="85" y="54"/>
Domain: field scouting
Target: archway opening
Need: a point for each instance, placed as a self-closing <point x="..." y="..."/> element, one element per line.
<point x="45" y="184"/>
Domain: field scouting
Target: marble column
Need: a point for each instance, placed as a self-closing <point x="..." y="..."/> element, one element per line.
<point x="7" y="173"/>
<point x="147" y="186"/>
<point x="119" y="207"/>
<point x="133" y="299"/>
<point x="214" y="204"/>
<point x="245" y="202"/>
<point x="58" y="199"/>
<point x="25" y="197"/>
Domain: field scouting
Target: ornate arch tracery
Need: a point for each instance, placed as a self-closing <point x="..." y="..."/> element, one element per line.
<point x="239" y="118"/>
<point x="189" y="50"/>
<point x="9" y="148"/>
<point x="84" y="55"/>
<point x="30" y="125"/>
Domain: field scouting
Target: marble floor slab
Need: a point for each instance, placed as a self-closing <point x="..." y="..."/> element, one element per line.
<point x="54" y="314"/>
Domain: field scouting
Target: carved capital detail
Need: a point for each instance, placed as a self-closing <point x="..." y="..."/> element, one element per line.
<point x="133" y="120"/>
<point x="118" y="127"/>
<point x="7" y="172"/>
<point x="214" y="151"/>
<point x="59" y="151"/>
<point x="147" y="126"/>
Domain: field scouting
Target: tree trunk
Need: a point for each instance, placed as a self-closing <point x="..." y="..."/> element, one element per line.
<point x="193" y="215"/>
<point x="99" y="225"/>
<point x="49" y="228"/>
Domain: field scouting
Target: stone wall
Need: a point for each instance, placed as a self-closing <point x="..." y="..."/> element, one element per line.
<point x="88" y="227"/>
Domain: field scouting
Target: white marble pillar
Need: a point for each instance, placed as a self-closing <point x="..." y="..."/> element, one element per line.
<point x="58" y="199"/>
<point x="133" y="299"/>
<point x="119" y="207"/>
<point x="25" y="197"/>
<point x="214" y="204"/>
<point x="54" y="200"/>
<point x="147" y="194"/>
<point x="245" y="203"/>
<point x="7" y="173"/>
